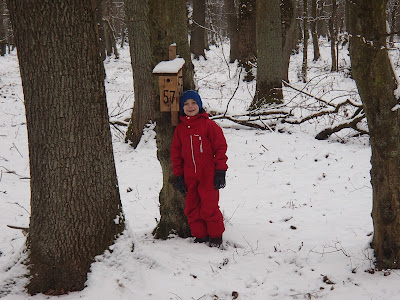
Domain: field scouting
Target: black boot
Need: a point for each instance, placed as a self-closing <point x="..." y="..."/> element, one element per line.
<point x="215" y="242"/>
<point x="201" y="240"/>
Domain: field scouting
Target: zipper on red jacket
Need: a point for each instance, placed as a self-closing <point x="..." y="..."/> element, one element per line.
<point x="191" y="145"/>
<point x="201" y="143"/>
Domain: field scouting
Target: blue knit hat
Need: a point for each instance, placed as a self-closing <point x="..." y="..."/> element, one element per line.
<point x="190" y="94"/>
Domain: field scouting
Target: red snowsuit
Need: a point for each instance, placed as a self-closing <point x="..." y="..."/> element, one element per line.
<point x="198" y="149"/>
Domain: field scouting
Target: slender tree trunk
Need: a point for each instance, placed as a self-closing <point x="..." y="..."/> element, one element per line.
<point x="76" y="210"/>
<point x="169" y="25"/>
<point x="288" y="15"/>
<point x="146" y="103"/>
<point x="305" y="42"/>
<point x="376" y="83"/>
<point x="393" y="21"/>
<point x="333" y="36"/>
<point x="3" y="34"/>
<point x="269" y="54"/>
<point x="198" y="33"/>
<point x="314" y="33"/>
<point x="247" y="36"/>
<point x="232" y="29"/>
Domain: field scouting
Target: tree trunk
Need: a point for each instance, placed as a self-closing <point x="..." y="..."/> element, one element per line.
<point x="232" y="29"/>
<point x="333" y="36"/>
<point x="198" y="33"/>
<point x="314" y="33"/>
<point x="146" y="103"/>
<point x="393" y="21"/>
<point x="247" y="36"/>
<point x="76" y="210"/>
<point x="376" y="83"/>
<point x="269" y="54"/>
<point x="3" y="34"/>
<point x="169" y="25"/>
<point x="305" y="42"/>
<point x="322" y="27"/>
<point x="288" y="15"/>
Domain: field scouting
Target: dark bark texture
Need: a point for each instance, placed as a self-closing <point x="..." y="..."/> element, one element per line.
<point x="169" y="25"/>
<point x="232" y="19"/>
<point x="198" y="33"/>
<point x="76" y="210"/>
<point x="333" y="35"/>
<point x="3" y="34"/>
<point x="289" y="41"/>
<point x="304" y="65"/>
<point x="247" y="36"/>
<point x="269" y="54"/>
<point x="372" y="70"/>
<point x="146" y="104"/>
<point x="314" y="32"/>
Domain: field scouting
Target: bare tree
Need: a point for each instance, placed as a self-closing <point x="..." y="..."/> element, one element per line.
<point x="142" y="59"/>
<point x="333" y="36"/>
<point x="198" y="32"/>
<point x="232" y="19"/>
<point x="376" y="83"/>
<point x="314" y="33"/>
<point x="76" y="210"/>
<point x="289" y="28"/>
<point x="3" y="29"/>
<point x="305" y="41"/>
<point x="269" y="54"/>
<point x="247" y="36"/>
<point x="168" y="25"/>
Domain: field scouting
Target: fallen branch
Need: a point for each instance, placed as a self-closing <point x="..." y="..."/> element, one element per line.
<point x="25" y="230"/>
<point x="324" y="134"/>
<point x="325" y="112"/>
<point x="15" y="173"/>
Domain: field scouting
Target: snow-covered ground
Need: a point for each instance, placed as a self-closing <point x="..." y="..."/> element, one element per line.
<point x="297" y="210"/>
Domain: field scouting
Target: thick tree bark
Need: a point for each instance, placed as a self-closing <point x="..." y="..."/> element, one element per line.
<point x="247" y="36"/>
<point x="169" y="25"/>
<point x="233" y="34"/>
<point x="146" y="103"/>
<point x="314" y="33"/>
<point x="269" y="54"/>
<point x="372" y="70"/>
<point x="198" y="33"/>
<point x="76" y="210"/>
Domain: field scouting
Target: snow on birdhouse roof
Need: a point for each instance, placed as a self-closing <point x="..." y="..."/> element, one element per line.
<point x="169" y="67"/>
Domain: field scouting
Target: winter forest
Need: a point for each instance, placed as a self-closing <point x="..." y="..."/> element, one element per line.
<point x="306" y="94"/>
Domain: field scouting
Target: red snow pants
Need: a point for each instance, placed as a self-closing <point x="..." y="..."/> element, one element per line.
<point x="201" y="206"/>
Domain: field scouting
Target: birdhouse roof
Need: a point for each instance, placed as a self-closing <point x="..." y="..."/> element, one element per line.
<point x="169" y="66"/>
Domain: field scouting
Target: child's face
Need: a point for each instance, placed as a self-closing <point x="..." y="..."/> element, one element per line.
<point x="190" y="108"/>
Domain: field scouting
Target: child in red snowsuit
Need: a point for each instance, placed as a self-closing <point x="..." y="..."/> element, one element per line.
<point x="198" y="156"/>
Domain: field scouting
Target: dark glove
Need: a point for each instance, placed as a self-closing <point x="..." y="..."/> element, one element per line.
<point x="219" y="179"/>
<point x="180" y="184"/>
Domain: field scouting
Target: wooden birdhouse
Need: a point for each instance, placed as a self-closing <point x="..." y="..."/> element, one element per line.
<point x="170" y="81"/>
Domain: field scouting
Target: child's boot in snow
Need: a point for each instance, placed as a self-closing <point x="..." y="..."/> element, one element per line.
<point x="201" y="240"/>
<point x="215" y="242"/>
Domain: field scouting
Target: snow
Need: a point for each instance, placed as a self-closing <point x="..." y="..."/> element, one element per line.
<point x="396" y="107"/>
<point x="170" y="66"/>
<point x="297" y="210"/>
